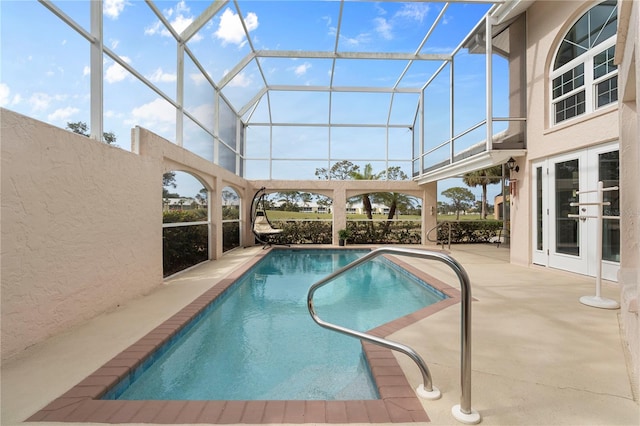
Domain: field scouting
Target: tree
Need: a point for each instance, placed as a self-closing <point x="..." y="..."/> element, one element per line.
<point x="461" y="198"/>
<point x="81" y="128"/>
<point x="443" y="208"/>
<point x="339" y="171"/>
<point x="169" y="181"/>
<point x="289" y="201"/>
<point x="483" y="178"/>
<point x="203" y="196"/>
<point x="366" y="175"/>
<point x="306" y="198"/>
<point x="394" y="200"/>
<point x="229" y="197"/>
<point x="323" y="200"/>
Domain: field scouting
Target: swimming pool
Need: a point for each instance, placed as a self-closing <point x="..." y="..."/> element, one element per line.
<point x="258" y="342"/>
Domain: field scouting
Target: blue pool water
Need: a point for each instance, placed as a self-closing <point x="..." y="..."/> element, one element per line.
<point x="258" y="342"/>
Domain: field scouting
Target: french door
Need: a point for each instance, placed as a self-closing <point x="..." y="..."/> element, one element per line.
<point x="568" y="243"/>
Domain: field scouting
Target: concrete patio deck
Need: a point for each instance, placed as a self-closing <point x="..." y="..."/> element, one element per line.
<point x="539" y="356"/>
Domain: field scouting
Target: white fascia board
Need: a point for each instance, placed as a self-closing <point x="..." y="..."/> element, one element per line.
<point x="473" y="163"/>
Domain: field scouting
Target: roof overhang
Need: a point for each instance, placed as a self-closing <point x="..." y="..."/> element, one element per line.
<point x="471" y="164"/>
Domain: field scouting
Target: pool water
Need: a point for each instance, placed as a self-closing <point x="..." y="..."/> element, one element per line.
<point x="258" y="342"/>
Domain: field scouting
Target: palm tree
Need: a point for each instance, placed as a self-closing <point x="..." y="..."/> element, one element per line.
<point x="394" y="200"/>
<point x="483" y="178"/>
<point x="366" y="175"/>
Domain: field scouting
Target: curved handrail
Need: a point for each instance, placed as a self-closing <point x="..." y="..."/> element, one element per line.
<point x="467" y="414"/>
<point x="438" y="226"/>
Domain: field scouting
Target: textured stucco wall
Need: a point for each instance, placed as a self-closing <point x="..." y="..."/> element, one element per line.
<point x="628" y="55"/>
<point x="547" y="22"/>
<point x="81" y="229"/>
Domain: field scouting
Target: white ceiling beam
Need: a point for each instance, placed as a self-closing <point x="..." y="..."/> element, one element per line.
<point x="319" y="54"/>
<point x="301" y="88"/>
<point x="235" y="70"/>
<point x="252" y="102"/>
<point x="201" y="20"/>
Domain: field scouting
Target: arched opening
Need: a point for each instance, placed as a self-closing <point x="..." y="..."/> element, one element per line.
<point x="304" y="217"/>
<point x="231" y="203"/>
<point x="185" y="222"/>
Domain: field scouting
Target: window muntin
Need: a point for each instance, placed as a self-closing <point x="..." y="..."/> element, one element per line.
<point x="584" y="77"/>
<point x="570" y="107"/>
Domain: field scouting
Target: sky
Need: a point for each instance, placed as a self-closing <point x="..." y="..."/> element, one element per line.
<point x="46" y="75"/>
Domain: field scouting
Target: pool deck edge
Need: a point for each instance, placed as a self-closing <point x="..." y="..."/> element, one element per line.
<point x="398" y="402"/>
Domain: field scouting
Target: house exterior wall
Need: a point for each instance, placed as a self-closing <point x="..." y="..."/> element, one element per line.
<point x="70" y="248"/>
<point x="547" y="23"/>
<point x="627" y="55"/>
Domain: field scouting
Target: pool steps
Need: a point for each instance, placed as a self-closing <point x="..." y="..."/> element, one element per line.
<point x="461" y="412"/>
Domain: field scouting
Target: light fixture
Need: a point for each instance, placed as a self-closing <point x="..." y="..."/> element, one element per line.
<point x="511" y="165"/>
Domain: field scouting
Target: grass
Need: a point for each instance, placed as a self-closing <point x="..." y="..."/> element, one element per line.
<point x="473" y="216"/>
<point x="282" y="215"/>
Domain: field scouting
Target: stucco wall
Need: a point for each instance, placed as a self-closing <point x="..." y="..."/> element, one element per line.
<point x="80" y="230"/>
<point x="547" y="23"/>
<point x="627" y="54"/>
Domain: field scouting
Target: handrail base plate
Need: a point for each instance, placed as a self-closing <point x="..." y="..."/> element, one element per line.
<point x="432" y="395"/>
<point x="472" y="418"/>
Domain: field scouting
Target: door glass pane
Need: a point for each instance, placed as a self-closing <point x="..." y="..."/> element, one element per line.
<point x="567" y="231"/>
<point x="609" y="173"/>
<point x="539" y="207"/>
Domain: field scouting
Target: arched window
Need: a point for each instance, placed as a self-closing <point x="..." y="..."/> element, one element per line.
<point x="584" y="77"/>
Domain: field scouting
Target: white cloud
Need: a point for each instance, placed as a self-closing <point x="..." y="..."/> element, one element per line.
<point x="197" y="78"/>
<point x="240" y="80"/>
<point x="181" y="23"/>
<point x="204" y="112"/>
<point x="159" y="76"/>
<point x="414" y="11"/>
<point x="181" y="20"/>
<point x="39" y="101"/>
<point x="155" y="114"/>
<point x="409" y="11"/>
<point x="86" y="71"/>
<point x="384" y="28"/>
<point x="154" y="29"/>
<point x="62" y="114"/>
<point x="302" y="69"/>
<point x="230" y="28"/>
<point x="357" y="40"/>
<point x="115" y="44"/>
<point x="115" y="72"/>
<point x="5" y="94"/>
<point x="113" y="8"/>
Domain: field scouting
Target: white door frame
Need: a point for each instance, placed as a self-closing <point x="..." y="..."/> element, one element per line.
<point x="546" y="252"/>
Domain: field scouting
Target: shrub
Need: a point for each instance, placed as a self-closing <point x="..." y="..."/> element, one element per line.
<point x="471" y="231"/>
<point x="184" y="246"/>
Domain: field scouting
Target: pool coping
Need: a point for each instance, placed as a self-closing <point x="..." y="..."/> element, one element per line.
<point x="398" y="402"/>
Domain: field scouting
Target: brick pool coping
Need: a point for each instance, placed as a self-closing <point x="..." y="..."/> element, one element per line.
<point x="397" y="404"/>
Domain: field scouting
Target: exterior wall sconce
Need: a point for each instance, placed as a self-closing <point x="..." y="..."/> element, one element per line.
<point x="511" y="165"/>
<point x="513" y="183"/>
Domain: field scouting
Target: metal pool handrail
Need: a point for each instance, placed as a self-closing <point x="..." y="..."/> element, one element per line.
<point x="462" y="412"/>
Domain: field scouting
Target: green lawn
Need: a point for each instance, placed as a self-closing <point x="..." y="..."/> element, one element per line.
<point x="473" y="216"/>
<point x="281" y="215"/>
